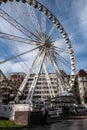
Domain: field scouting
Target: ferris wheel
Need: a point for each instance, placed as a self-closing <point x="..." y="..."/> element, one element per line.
<point x="34" y="39"/>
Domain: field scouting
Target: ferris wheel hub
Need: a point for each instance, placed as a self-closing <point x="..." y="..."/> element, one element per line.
<point x="42" y="39"/>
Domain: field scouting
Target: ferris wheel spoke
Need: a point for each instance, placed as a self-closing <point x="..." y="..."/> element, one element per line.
<point x="36" y="38"/>
<point x="59" y="77"/>
<point x="33" y="17"/>
<point x="51" y="30"/>
<point x="33" y="85"/>
<point x="21" y="88"/>
<point x="14" y="57"/>
<point x="64" y="63"/>
<point x="20" y="12"/>
<point x="14" y="23"/>
<point x="63" y="60"/>
<point x="43" y="22"/>
<point x="51" y="91"/>
<point x="60" y="49"/>
<point x="16" y="38"/>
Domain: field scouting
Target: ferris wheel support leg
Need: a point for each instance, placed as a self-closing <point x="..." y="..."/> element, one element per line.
<point x="51" y="91"/>
<point x="21" y="88"/>
<point x="33" y="85"/>
<point x="61" y="84"/>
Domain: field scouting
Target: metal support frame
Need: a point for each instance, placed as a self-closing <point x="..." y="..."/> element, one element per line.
<point x="51" y="91"/>
<point x="61" y="84"/>
<point x="34" y="82"/>
<point x="21" y="88"/>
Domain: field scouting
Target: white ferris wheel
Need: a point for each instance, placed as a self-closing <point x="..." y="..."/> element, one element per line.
<point x="32" y="38"/>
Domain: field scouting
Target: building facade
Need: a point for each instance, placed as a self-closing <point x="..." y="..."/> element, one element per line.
<point x="10" y="87"/>
<point x="42" y="91"/>
<point x="82" y="85"/>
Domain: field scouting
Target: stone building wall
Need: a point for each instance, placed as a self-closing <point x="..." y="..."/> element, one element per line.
<point x="82" y="85"/>
<point x="42" y="91"/>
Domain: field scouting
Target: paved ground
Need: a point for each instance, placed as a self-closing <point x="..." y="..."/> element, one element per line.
<point x="80" y="124"/>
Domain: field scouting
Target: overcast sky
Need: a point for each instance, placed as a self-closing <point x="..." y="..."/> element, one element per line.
<point x="73" y="16"/>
